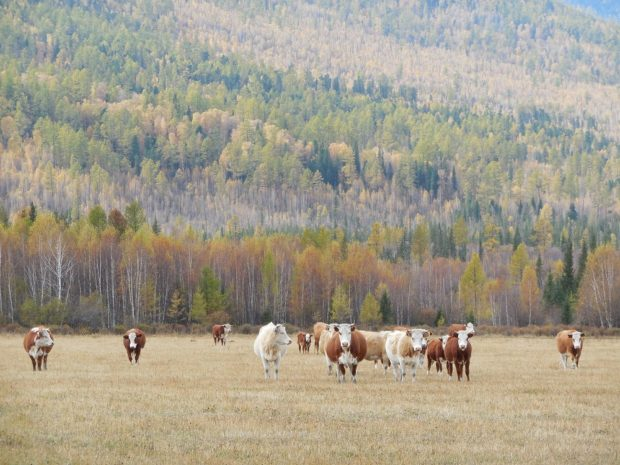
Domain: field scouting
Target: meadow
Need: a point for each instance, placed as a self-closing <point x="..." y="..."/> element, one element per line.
<point x="189" y="402"/>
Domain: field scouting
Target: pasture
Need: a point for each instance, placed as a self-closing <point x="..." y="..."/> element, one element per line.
<point x="193" y="403"/>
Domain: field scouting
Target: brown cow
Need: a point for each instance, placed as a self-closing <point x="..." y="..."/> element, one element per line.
<point x="220" y="333"/>
<point x="303" y="341"/>
<point x="435" y="353"/>
<point x="134" y="340"/>
<point x="569" y="342"/>
<point x="347" y="348"/>
<point x="38" y="343"/>
<point x="318" y="328"/>
<point x="458" y="351"/>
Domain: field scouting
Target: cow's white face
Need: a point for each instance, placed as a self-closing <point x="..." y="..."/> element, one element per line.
<point x="418" y="340"/>
<point x="308" y="338"/>
<point x="282" y="338"/>
<point x="227" y="328"/>
<point x="463" y="339"/>
<point x="576" y="339"/>
<point x="345" y="330"/>
<point x="43" y="338"/>
<point x="444" y="341"/>
<point x="470" y="328"/>
<point x="132" y="340"/>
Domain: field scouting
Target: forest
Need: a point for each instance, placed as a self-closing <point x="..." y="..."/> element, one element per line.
<point x="156" y="167"/>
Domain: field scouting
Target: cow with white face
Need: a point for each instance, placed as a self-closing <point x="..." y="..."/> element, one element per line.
<point x="38" y="343"/>
<point x="134" y="341"/>
<point x="271" y="345"/>
<point x="570" y="342"/>
<point x="347" y="347"/>
<point x="406" y="348"/>
<point x="458" y="352"/>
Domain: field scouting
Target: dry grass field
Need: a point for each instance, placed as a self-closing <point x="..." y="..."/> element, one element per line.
<point x="191" y="403"/>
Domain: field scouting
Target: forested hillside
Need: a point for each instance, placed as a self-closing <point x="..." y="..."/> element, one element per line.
<point x="416" y="131"/>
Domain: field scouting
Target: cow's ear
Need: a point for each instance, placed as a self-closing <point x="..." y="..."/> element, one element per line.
<point x="583" y="334"/>
<point x="336" y="328"/>
<point x="452" y="334"/>
<point x="353" y="327"/>
<point x="138" y="335"/>
<point x="430" y="333"/>
<point x="125" y="336"/>
<point x="408" y="332"/>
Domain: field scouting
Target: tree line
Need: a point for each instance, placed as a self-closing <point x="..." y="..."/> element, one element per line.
<point x="115" y="268"/>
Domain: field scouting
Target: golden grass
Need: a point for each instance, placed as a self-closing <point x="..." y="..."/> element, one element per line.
<point x="189" y="402"/>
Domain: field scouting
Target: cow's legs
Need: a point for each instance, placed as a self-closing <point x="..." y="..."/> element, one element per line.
<point x="45" y="361"/>
<point x="137" y="352"/>
<point x="353" y="368"/>
<point x="34" y="363"/>
<point x="39" y="361"/>
<point x="341" y="372"/>
<point x="459" y="370"/>
<point x="266" y="368"/>
<point x="467" y="369"/>
<point x="276" y="366"/>
<point x="564" y="360"/>
<point x="449" y="369"/>
<point x="414" y="367"/>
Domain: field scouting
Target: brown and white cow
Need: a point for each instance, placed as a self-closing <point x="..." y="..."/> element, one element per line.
<point x="435" y="353"/>
<point x="569" y="342"/>
<point x="134" y="341"/>
<point x="375" y="347"/>
<point x="303" y="341"/>
<point x="220" y="333"/>
<point x="317" y="329"/>
<point x="458" y="351"/>
<point x="346" y="347"/>
<point x="38" y="343"/>
<point x="405" y="348"/>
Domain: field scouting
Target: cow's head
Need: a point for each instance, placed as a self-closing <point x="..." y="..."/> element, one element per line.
<point x="418" y="338"/>
<point x="227" y="328"/>
<point x="308" y="338"/>
<point x="463" y="339"/>
<point x="43" y="337"/>
<point x="576" y="339"/>
<point x="345" y="330"/>
<point x="133" y="337"/>
<point x="444" y="341"/>
<point x="281" y="336"/>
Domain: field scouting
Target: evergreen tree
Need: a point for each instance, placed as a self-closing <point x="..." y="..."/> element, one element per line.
<point x="581" y="266"/>
<point x="155" y="227"/>
<point x="539" y="271"/>
<point x="32" y="215"/>
<point x="516" y="240"/>
<point x="385" y="307"/>
<point x="567" y="280"/>
<point x="209" y="285"/>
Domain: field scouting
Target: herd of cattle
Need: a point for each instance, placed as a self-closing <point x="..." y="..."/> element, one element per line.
<point x="342" y="345"/>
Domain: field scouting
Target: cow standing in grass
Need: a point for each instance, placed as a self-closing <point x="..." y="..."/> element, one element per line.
<point x="220" y="333"/>
<point x="435" y="353"/>
<point x="346" y="347"/>
<point x="271" y="345"/>
<point x="405" y="348"/>
<point x="38" y="343"/>
<point x="317" y="330"/>
<point x="134" y="341"/>
<point x="458" y="352"/>
<point x="569" y="342"/>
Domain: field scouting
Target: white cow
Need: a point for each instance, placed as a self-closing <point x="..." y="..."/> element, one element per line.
<point x="405" y="348"/>
<point x="271" y="345"/>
